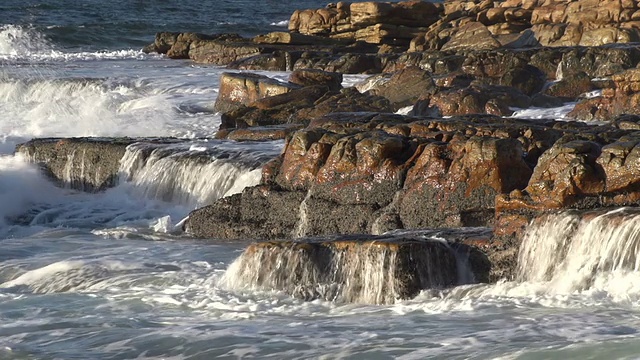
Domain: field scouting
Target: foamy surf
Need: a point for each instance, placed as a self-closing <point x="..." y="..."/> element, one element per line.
<point x="25" y="44"/>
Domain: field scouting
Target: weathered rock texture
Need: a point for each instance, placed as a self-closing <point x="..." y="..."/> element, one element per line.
<point x="621" y="96"/>
<point x="78" y="163"/>
<point x="481" y="25"/>
<point x="373" y="22"/>
<point x="370" y="172"/>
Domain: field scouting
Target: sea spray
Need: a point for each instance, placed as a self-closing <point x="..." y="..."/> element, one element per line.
<point x="22" y="186"/>
<point x="20" y="41"/>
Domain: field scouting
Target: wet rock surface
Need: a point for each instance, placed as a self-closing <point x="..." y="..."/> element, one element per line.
<point x="363" y="269"/>
<point x="88" y="164"/>
<point x="456" y="159"/>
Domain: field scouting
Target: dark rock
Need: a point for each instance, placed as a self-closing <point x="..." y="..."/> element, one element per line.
<point x="527" y="79"/>
<point x="479" y="99"/>
<point x="256" y="213"/>
<point x="308" y="77"/>
<point x="406" y="86"/>
<point x="570" y="88"/>
<point x="78" y="163"/>
<point x="311" y="268"/>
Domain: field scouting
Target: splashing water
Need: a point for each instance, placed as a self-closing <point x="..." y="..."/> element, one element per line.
<point x="18" y="41"/>
<point x="378" y="271"/>
<point x="194" y="175"/>
<point x="578" y="252"/>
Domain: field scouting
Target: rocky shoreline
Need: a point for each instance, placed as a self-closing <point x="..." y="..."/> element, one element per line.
<point x="457" y="159"/>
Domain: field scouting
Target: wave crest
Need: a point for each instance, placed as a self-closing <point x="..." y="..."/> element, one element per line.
<point x="19" y="41"/>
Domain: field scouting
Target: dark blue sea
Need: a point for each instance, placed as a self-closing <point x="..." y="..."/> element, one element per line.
<point x="111" y="275"/>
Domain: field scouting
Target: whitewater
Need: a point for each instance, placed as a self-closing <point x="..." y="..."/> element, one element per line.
<point x="111" y="275"/>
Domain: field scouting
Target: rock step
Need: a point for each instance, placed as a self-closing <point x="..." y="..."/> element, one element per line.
<point x="362" y="269"/>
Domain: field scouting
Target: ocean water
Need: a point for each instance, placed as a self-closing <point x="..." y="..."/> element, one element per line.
<point x="111" y="275"/>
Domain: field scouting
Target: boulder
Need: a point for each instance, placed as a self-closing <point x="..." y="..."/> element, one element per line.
<point x="273" y="110"/>
<point x="238" y="89"/>
<point x="622" y="96"/>
<point x="308" y="77"/>
<point x="223" y="52"/>
<point x="348" y="100"/>
<point x="406" y="86"/>
<point x="570" y="88"/>
<point x="471" y="36"/>
<point x="479" y="99"/>
<point x="565" y="172"/>
<point x="78" y="163"/>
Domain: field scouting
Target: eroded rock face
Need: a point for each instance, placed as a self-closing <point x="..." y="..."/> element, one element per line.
<point x="256" y="213"/>
<point x="371" y="172"/>
<point x="523" y="23"/>
<point x="78" y="163"/>
<point x="455" y="184"/>
<point x="238" y="89"/>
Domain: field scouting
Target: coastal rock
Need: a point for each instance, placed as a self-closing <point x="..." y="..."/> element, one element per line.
<point x="406" y="86"/>
<point x="454" y="184"/>
<point x="373" y="22"/>
<point x="348" y="100"/>
<point x="238" y="89"/>
<point x="619" y="162"/>
<point x="371" y="269"/>
<point x="256" y="213"/>
<point x="222" y="52"/>
<point x="570" y="88"/>
<point x="292" y="38"/>
<point x="471" y="36"/>
<point x="479" y="99"/>
<point x="182" y="44"/>
<point x="78" y="163"/>
<point x="597" y="62"/>
<point x="258" y="133"/>
<point x="273" y="110"/>
<point x="308" y="77"/>
<point x="566" y="171"/>
<point x="163" y="42"/>
<point x="622" y="96"/>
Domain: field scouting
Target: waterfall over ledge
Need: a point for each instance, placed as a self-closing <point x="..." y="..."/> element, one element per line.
<point x="573" y="251"/>
<point x="360" y="269"/>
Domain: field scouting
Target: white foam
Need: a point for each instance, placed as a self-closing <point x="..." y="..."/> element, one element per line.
<point x="22" y="186"/>
<point x="557" y="113"/>
<point x="17" y="41"/>
<point x="405" y="110"/>
<point x="20" y="43"/>
<point x="282" y="23"/>
<point x="172" y="174"/>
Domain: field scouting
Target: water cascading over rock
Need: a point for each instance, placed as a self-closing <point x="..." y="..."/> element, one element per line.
<point x="359" y="269"/>
<point x="173" y="170"/>
<point x="190" y="174"/>
<point x="572" y="251"/>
